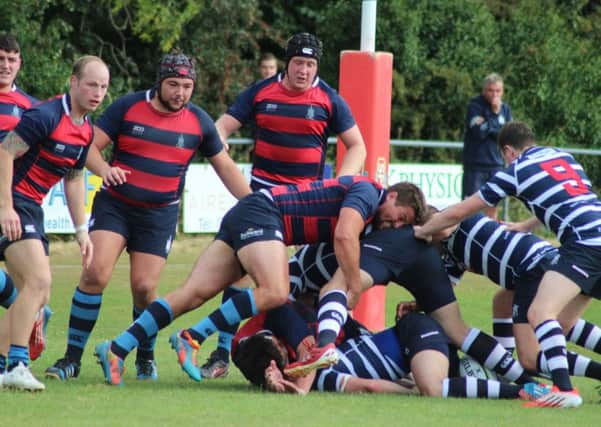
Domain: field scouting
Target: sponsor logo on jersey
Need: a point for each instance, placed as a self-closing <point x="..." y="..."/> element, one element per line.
<point x="271" y="107"/>
<point x="137" y="130"/>
<point x="59" y="148"/>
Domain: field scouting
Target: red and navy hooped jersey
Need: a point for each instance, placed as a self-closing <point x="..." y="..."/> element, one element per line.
<point x="56" y="145"/>
<point x="291" y="129"/>
<point x="484" y="246"/>
<point x="310" y="211"/>
<point x="554" y="187"/>
<point x="12" y="106"/>
<point x="156" y="147"/>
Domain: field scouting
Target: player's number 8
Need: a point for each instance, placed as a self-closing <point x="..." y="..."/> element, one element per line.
<point x="561" y="170"/>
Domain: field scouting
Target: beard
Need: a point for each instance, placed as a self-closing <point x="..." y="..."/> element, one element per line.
<point x="166" y="104"/>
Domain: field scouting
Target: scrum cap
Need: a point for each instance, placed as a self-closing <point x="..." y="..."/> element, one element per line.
<point x="304" y="44"/>
<point x="176" y="64"/>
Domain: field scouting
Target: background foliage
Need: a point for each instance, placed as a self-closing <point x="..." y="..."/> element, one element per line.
<point x="548" y="52"/>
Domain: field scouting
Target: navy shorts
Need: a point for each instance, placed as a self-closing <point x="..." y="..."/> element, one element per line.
<point x="253" y="219"/>
<point x="147" y="230"/>
<point x="32" y="223"/>
<point x="581" y="264"/>
<point x="526" y="285"/>
<point x="418" y="332"/>
<point x="474" y="179"/>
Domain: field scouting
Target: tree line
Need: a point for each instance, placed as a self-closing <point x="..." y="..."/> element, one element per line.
<point x="546" y="50"/>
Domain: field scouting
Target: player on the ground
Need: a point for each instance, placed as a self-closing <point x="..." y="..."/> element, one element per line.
<point x="554" y="187"/>
<point x="394" y="255"/>
<point x="293" y="114"/>
<point x="50" y="142"/>
<point x="253" y="239"/>
<point x="155" y="133"/>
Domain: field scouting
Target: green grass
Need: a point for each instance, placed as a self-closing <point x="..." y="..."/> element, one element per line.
<point x="176" y="400"/>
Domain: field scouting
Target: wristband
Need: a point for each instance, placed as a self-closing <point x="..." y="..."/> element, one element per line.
<point x="81" y="227"/>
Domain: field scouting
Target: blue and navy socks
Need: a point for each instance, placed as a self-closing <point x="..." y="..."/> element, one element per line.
<point x="332" y="314"/>
<point x="85" y="309"/>
<point x="8" y="291"/>
<point x="146" y="347"/>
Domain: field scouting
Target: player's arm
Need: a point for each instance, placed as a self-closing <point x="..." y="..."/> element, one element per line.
<point x="97" y="165"/>
<point x="354" y="158"/>
<point x="226" y="125"/>
<point x="363" y="385"/>
<point x="11" y="148"/>
<point x="346" y="248"/>
<point x="450" y="216"/>
<point x="230" y="174"/>
<point x="75" y="194"/>
<point x="276" y="381"/>
<point x="525" y="226"/>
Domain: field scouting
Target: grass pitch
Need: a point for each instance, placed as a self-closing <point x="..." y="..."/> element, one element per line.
<point x="174" y="400"/>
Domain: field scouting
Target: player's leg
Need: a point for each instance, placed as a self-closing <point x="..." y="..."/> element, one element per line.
<point x="501" y="323"/>
<point x="145" y="271"/>
<point x="215" y="268"/>
<point x="481" y="346"/>
<point x="87" y="300"/>
<point x="30" y="267"/>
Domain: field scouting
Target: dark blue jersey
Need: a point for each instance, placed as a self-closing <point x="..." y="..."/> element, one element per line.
<point x="291" y="129"/>
<point x="310" y="211"/>
<point x="156" y="147"/>
<point x="484" y="246"/>
<point x="56" y="145"/>
<point x="482" y="126"/>
<point x="554" y="187"/>
<point x="12" y="105"/>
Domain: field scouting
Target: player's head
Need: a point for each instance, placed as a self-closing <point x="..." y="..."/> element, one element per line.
<point x="303" y="53"/>
<point x="89" y="83"/>
<point x="254" y="354"/>
<point x="10" y="60"/>
<point x="176" y="77"/>
<point x="268" y="65"/>
<point x="405" y="203"/>
<point x="514" y="138"/>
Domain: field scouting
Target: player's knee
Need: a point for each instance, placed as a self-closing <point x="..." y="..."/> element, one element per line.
<point x="431" y="388"/>
<point x="94" y="279"/>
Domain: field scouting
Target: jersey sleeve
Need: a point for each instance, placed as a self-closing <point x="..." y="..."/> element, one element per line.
<point x="111" y="119"/>
<point x="81" y="162"/>
<point x="342" y="117"/>
<point x="242" y="108"/>
<point x="500" y="185"/>
<point x="36" y="124"/>
<point x="287" y="324"/>
<point x="364" y="198"/>
<point x="211" y="144"/>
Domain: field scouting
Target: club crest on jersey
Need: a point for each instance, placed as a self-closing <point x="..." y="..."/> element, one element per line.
<point x="501" y="120"/>
<point x="137" y="130"/>
<point x="250" y="233"/>
<point x="180" y="141"/>
<point x="310" y="113"/>
<point x="16" y="111"/>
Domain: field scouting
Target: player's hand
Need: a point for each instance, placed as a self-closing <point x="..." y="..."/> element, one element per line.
<point x="275" y="381"/>
<point x="10" y="224"/>
<point x="114" y="175"/>
<point x="86" y="247"/>
<point x="405" y="307"/>
<point x="303" y="351"/>
<point x="419" y="234"/>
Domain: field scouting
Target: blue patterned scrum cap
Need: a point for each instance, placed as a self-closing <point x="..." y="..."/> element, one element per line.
<point x="304" y="44"/>
<point x="176" y="64"/>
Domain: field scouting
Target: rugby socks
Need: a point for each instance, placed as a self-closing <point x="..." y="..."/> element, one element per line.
<point x="578" y="365"/>
<point x="488" y="352"/>
<point x="226" y="335"/>
<point x="156" y="316"/>
<point x="553" y="345"/>
<point x="502" y="331"/>
<point x="146" y="347"/>
<point x="8" y="292"/>
<point x="2" y="364"/>
<point x="85" y="309"/>
<point x="17" y="354"/>
<point x="331" y="316"/>
<point x="231" y="312"/>
<point x="585" y="334"/>
<point x="471" y="387"/>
